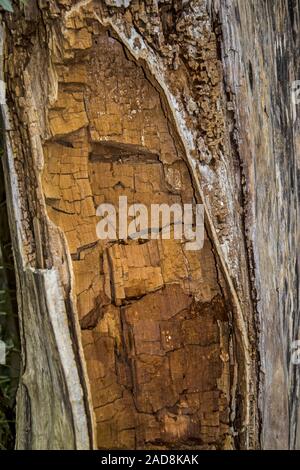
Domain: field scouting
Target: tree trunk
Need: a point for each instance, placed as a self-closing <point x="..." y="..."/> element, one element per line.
<point x="140" y="343"/>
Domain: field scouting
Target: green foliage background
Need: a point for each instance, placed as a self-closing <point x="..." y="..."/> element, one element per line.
<point x="7" y="4"/>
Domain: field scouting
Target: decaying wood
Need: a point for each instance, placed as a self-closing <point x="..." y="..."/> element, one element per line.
<point x="159" y="102"/>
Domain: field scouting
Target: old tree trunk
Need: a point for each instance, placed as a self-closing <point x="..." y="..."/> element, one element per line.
<point x="140" y="343"/>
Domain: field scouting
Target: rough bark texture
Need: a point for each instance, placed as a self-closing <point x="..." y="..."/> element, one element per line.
<point x="260" y="44"/>
<point x="163" y="102"/>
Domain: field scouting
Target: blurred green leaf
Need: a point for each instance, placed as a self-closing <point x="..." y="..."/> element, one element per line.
<point x="6" y="4"/>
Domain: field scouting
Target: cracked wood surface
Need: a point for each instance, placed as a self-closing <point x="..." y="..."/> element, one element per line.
<point x="151" y="100"/>
<point x="154" y="316"/>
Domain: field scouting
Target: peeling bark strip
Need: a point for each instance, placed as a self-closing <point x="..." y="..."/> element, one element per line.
<point x="52" y="406"/>
<point x="54" y="389"/>
<point x="141" y="345"/>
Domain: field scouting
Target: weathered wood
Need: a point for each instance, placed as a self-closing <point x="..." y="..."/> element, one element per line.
<point x="52" y="402"/>
<point x="216" y="92"/>
<point x="260" y="45"/>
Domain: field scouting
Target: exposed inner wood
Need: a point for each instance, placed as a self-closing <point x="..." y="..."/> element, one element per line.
<point x="155" y="317"/>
